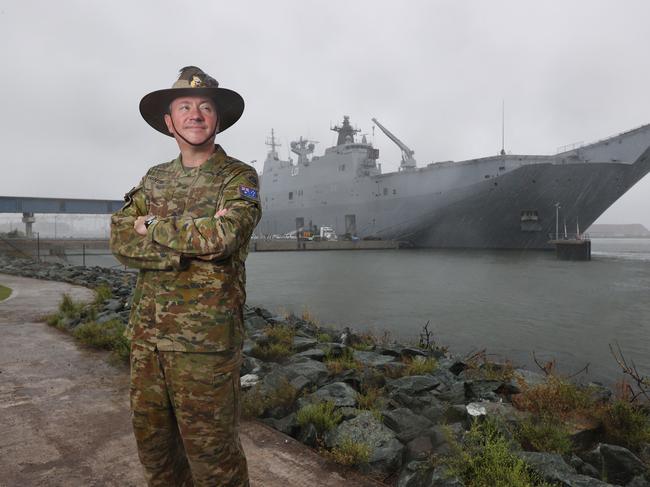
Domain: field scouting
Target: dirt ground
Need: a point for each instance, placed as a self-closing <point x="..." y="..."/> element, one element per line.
<point x="64" y="413"/>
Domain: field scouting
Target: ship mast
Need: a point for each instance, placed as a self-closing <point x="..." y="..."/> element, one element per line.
<point x="345" y="131"/>
<point x="503" y="127"/>
<point x="408" y="161"/>
<point x="273" y="144"/>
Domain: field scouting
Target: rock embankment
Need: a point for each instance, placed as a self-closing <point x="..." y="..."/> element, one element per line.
<point x="405" y="414"/>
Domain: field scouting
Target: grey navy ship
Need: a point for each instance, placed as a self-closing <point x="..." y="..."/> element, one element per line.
<point x="500" y="202"/>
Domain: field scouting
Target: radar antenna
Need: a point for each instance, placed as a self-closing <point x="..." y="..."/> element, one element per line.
<point x="408" y="161"/>
<point x="345" y="131"/>
<point x="303" y="148"/>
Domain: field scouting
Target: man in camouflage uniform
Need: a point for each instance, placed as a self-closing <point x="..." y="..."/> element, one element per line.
<point x="186" y="227"/>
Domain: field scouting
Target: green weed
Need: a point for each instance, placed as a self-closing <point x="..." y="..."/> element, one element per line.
<point x="345" y="361"/>
<point x="308" y="316"/>
<point x="324" y="338"/>
<point x="544" y="434"/>
<point x="626" y="424"/>
<point x="322" y="415"/>
<point x="556" y="398"/>
<point x="273" y="352"/>
<point x="68" y="308"/>
<point x="105" y="336"/>
<point x="279" y="344"/>
<point x="102" y="293"/>
<point x="485" y="460"/>
<point x="350" y="453"/>
<point x="255" y="403"/>
<point x="420" y="366"/>
<point x="99" y="335"/>
<point x="369" y="399"/>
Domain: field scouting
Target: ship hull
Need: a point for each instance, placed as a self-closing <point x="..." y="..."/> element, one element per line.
<point x="506" y="202"/>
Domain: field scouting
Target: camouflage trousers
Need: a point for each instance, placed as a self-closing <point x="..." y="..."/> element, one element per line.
<point x="186" y="418"/>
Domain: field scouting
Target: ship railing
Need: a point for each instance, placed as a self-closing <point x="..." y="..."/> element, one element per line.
<point x="604" y="139"/>
<point x="569" y="236"/>
<point x="570" y="147"/>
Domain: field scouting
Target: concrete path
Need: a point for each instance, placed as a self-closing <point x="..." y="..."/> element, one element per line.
<point x="64" y="414"/>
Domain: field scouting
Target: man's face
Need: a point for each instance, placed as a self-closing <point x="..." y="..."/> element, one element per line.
<point x="193" y="117"/>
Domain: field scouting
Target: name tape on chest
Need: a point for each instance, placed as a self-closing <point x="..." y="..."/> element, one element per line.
<point x="248" y="193"/>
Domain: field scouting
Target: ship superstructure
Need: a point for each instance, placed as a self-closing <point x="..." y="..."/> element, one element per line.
<point x="504" y="201"/>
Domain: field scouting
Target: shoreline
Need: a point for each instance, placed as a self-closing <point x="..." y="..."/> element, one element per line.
<point x="389" y="401"/>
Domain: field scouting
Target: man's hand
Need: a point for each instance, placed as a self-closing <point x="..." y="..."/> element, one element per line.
<point x="221" y="212"/>
<point x="138" y="225"/>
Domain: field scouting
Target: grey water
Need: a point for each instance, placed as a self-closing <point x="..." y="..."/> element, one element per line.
<point x="510" y="303"/>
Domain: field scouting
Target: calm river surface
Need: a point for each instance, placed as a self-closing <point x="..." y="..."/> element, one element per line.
<point x="509" y="302"/>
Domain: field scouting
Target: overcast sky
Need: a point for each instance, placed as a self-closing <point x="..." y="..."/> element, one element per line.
<point x="434" y="72"/>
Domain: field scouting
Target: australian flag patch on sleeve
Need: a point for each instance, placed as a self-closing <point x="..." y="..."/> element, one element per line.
<point x="248" y="193"/>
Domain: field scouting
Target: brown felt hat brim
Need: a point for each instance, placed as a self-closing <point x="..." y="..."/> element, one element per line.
<point x="230" y="105"/>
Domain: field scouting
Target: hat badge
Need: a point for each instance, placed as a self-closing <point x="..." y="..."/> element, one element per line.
<point x="196" y="82"/>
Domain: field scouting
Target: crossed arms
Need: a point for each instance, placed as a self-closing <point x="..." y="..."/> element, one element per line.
<point x="170" y="239"/>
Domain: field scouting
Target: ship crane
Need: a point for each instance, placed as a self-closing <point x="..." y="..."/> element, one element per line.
<point x="408" y="161"/>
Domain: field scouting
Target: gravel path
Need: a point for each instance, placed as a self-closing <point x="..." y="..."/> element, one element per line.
<point x="64" y="416"/>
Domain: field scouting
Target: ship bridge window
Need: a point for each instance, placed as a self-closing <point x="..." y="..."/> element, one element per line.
<point x="487" y="176"/>
<point x="385" y="191"/>
<point x="502" y="168"/>
<point x="529" y="215"/>
<point x="290" y="195"/>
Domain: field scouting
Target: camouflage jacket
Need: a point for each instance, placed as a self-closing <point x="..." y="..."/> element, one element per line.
<point x="191" y="285"/>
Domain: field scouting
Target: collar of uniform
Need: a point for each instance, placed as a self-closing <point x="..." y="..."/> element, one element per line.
<point x="212" y="165"/>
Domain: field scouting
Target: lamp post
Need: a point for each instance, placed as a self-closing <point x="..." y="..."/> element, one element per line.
<point x="557" y="221"/>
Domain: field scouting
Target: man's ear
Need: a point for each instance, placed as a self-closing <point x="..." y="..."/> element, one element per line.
<point x="168" y="122"/>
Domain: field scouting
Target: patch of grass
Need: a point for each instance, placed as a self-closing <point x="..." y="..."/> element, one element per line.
<point x="345" y="361"/>
<point x="102" y="293"/>
<point x="308" y="315"/>
<point x="556" y="398"/>
<point x="105" y="336"/>
<point x="324" y="338"/>
<point x="99" y="335"/>
<point x="502" y="372"/>
<point x="273" y="352"/>
<point x="626" y="424"/>
<point x="279" y="344"/>
<point x="5" y="292"/>
<point x="544" y="434"/>
<point x="420" y="365"/>
<point x="485" y="460"/>
<point x="350" y="453"/>
<point x="255" y="403"/>
<point x="54" y="319"/>
<point x="121" y="348"/>
<point x="322" y="415"/>
<point x="363" y="342"/>
<point x="69" y="308"/>
<point x="371" y="399"/>
<point x="479" y="367"/>
<point x="280" y="334"/>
